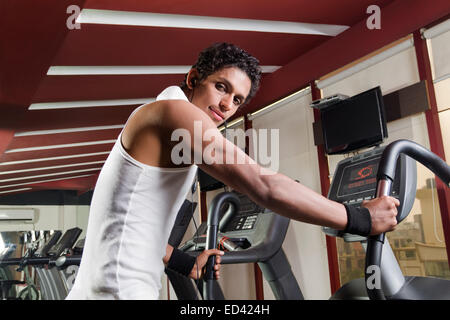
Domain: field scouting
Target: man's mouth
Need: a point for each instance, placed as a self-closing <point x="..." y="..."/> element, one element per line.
<point x="217" y="114"/>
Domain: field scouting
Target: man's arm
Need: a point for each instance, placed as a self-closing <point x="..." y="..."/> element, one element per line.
<point x="274" y="191"/>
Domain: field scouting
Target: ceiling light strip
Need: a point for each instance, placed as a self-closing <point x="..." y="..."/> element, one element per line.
<point x="52" y="167"/>
<point x="150" y="19"/>
<point x="128" y="70"/>
<point x="269" y="69"/>
<point x="49" y="175"/>
<point x="54" y="158"/>
<point x="115" y="70"/>
<point x="88" y="103"/>
<point x="69" y="130"/>
<point x="60" y="146"/>
<point x="15" y="190"/>
<point x="47" y="180"/>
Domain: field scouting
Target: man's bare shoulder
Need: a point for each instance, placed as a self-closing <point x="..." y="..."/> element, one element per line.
<point x="157" y="110"/>
<point x="181" y="113"/>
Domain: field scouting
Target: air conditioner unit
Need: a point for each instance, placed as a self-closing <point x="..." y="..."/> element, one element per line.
<point x="18" y="215"/>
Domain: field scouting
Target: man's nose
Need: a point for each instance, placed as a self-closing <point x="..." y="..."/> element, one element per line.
<point x="226" y="103"/>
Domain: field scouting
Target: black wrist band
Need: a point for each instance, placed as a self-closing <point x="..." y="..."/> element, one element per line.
<point x="181" y="262"/>
<point x="358" y="221"/>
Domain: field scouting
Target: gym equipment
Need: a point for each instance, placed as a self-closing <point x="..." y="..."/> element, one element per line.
<point x="43" y="251"/>
<point x="30" y="292"/>
<point x="55" y="271"/>
<point x="394" y="285"/>
<point x="66" y="242"/>
<point x="211" y="236"/>
<point x="5" y="286"/>
<point x="389" y="170"/>
<point x="182" y="285"/>
<point x="57" y="280"/>
<point x="6" y="290"/>
<point x="250" y="234"/>
<point x="356" y="179"/>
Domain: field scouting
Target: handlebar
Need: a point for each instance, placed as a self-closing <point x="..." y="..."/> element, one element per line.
<point x="388" y="161"/>
<point x="59" y="262"/>
<point x="211" y="235"/>
<point x="385" y="178"/>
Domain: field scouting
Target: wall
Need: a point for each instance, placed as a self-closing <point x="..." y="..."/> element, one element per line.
<point x="51" y="218"/>
<point x="305" y="244"/>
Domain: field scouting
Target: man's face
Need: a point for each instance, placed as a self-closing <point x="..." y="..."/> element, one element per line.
<point x="222" y="93"/>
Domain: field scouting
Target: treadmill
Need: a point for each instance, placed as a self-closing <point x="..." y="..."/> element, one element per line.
<point x="55" y="270"/>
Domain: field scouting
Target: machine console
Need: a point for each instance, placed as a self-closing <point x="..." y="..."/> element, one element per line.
<point x="355" y="180"/>
<point x="249" y="226"/>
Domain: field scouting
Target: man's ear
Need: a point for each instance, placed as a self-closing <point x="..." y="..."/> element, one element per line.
<point x="192" y="78"/>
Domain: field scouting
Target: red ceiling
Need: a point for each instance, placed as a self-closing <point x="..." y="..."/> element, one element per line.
<point x="398" y="19"/>
<point x="34" y="37"/>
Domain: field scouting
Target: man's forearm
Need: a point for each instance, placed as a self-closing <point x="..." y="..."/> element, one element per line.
<point x="298" y="202"/>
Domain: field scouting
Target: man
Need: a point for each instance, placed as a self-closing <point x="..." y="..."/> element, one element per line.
<point x="143" y="182"/>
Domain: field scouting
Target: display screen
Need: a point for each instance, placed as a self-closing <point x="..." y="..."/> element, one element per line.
<point x="358" y="178"/>
<point x="208" y="183"/>
<point x="354" y="123"/>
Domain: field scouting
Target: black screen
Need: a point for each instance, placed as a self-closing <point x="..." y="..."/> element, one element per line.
<point x="359" y="180"/>
<point x="208" y="183"/>
<point x="354" y="123"/>
<point x="360" y="177"/>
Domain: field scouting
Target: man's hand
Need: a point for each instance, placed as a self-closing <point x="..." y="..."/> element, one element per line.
<point x="197" y="270"/>
<point x="383" y="212"/>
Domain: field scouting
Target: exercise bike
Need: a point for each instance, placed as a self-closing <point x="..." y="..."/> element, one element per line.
<point x="397" y="159"/>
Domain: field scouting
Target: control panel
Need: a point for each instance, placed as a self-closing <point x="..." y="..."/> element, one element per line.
<point x="355" y="180"/>
<point x="249" y="226"/>
<point x="246" y="218"/>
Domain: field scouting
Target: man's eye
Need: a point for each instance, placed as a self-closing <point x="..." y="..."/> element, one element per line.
<point x="220" y="86"/>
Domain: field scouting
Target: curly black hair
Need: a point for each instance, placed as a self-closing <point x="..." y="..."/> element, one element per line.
<point x="223" y="55"/>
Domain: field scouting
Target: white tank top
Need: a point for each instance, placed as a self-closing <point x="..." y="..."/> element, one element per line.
<point x="132" y="212"/>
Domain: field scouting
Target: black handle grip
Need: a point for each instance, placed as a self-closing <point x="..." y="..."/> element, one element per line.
<point x="213" y="225"/>
<point x="211" y="235"/>
<point x="373" y="258"/>
<point x="65" y="260"/>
